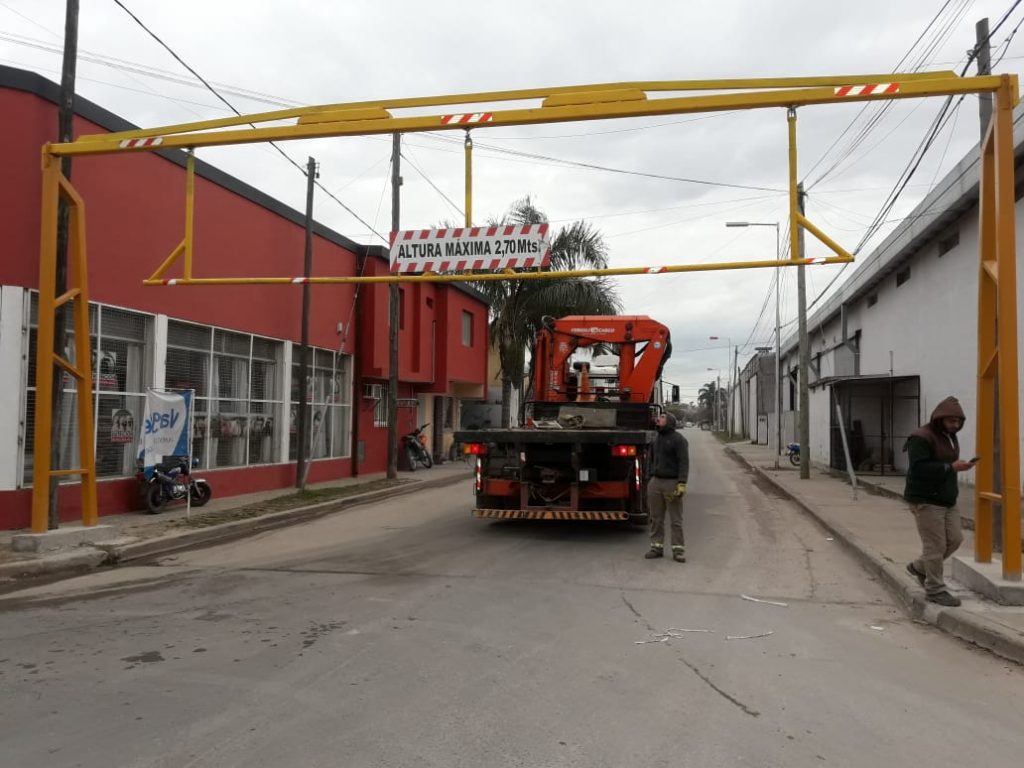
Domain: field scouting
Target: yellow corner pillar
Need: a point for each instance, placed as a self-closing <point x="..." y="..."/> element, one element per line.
<point x="56" y="188"/>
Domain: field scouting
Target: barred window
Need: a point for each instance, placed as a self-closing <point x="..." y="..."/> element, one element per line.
<point x="329" y="393"/>
<point x="380" y="407"/>
<point x="120" y="341"/>
<point x="238" y="404"/>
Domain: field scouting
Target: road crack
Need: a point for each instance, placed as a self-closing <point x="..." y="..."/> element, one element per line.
<point x="727" y="696"/>
<point x="707" y="681"/>
<point x="636" y="613"/>
<point x="808" y="566"/>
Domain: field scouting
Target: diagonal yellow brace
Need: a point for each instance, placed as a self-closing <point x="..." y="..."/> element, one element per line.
<point x="68" y="366"/>
<point x="833" y="246"/>
<point x="184" y="248"/>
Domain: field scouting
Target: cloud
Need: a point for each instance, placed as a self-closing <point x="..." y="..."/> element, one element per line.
<point x="315" y="52"/>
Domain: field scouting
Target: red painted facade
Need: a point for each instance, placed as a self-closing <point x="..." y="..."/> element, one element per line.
<point x="135" y="218"/>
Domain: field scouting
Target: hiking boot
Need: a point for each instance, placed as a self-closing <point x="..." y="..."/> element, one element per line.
<point x="678" y="556"/>
<point x="944" y="598"/>
<point x="912" y="570"/>
<point x="654" y="552"/>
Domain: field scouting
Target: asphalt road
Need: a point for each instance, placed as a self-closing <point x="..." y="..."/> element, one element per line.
<point x="410" y="634"/>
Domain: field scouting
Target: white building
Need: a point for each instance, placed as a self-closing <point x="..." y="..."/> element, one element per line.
<point x="897" y="337"/>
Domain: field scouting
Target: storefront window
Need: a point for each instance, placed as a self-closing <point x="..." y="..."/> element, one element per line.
<point x="329" y="389"/>
<point x="238" y="405"/>
<point x="120" y="342"/>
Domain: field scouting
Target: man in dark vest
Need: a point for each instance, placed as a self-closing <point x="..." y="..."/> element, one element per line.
<point x="934" y="461"/>
<point x="670" y="468"/>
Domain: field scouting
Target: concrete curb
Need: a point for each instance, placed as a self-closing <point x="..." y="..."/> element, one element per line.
<point x="1002" y="641"/>
<point x="81" y="559"/>
<point x="114" y="554"/>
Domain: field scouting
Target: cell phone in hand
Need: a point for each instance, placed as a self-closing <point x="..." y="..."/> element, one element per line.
<point x="975" y="460"/>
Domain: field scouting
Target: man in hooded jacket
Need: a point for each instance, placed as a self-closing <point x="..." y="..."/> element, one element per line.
<point x="934" y="461"/>
<point x="670" y="468"/>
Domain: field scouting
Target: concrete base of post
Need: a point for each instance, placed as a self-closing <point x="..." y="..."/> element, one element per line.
<point x="68" y="537"/>
<point x="987" y="579"/>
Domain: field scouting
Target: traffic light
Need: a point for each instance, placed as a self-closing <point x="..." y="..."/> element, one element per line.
<point x="675" y="393"/>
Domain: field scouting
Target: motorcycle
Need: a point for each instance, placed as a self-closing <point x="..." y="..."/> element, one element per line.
<point x="169" y="481"/>
<point x="793" y="451"/>
<point x="416" y="448"/>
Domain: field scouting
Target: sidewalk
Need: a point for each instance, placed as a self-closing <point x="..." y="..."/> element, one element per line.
<point x="135" y="535"/>
<point x="880" y="532"/>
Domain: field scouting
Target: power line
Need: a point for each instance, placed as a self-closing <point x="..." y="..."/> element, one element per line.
<point x="882" y="109"/>
<point x="595" y="167"/>
<point x="434" y="186"/>
<point x="941" y="119"/>
<point x="126" y="66"/>
<point x="239" y="114"/>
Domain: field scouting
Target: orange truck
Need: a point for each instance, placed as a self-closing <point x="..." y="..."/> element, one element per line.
<point x="582" y="453"/>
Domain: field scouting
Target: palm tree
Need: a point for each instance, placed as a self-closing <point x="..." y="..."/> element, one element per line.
<point x="706" y="397"/>
<point x="519" y="306"/>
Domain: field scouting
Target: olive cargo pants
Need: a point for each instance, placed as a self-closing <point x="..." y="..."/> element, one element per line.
<point x="661" y="499"/>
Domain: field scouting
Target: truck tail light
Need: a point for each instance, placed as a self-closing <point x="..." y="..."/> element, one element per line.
<point x="623" y="450"/>
<point x="474" y="449"/>
<point x="479" y="475"/>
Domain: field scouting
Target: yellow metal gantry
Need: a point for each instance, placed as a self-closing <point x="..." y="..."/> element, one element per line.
<point x="997" y="293"/>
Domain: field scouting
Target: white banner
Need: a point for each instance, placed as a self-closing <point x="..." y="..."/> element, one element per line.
<point x="166" y="428"/>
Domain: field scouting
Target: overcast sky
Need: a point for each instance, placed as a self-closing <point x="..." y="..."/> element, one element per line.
<point x="315" y="52"/>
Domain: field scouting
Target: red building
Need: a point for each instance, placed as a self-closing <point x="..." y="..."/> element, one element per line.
<point x="237" y="346"/>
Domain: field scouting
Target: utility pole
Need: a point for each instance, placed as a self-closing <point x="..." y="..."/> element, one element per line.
<point x="734" y="383"/>
<point x="805" y="352"/>
<point x="65" y="119"/>
<point x="984" y="56"/>
<point x="983" y="51"/>
<point x="778" y="353"/>
<point x="302" y="430"/>
<point x="718" y="402"/>
<point x="393" y="317"/>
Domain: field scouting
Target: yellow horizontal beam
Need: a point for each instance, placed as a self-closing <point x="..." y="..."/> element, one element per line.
<point x="812" y="91"/>
<point x="343" y="115"/>
<point x="434" y="277"/>
<point x="989" y="496"/>
<point x="64" y="472"/>
<point x="480" y="97"/>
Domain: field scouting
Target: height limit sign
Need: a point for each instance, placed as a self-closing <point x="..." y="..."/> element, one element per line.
<point x="460" y="249"/>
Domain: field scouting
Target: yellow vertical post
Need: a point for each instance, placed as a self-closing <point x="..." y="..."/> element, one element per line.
<point x="1006" y="319"/>
<point x="190" y="190"/>
<point x="44" y="344"/>
<point x="83" y="359"/>
<point x="794" y="203"/>
<point x="984" y="477"/>
<point x="469" y="180"/>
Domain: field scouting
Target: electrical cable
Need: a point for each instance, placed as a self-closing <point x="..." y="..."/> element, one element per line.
<point x="212" y="90"/>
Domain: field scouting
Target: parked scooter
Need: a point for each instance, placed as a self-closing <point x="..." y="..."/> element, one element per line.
<point x="793" y="451"/>
<point x="170" y="481"/>
<point x="416" y="448"/>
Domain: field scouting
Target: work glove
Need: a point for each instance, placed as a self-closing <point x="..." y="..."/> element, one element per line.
<point x="680" y="490"/>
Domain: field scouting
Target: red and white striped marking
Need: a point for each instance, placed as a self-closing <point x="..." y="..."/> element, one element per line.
<point x="520" y="246"/>
<point x="873" y="89"/>
<point x="655" y="270"/>
<point x="155" y="141"/>
<point x="467" y="118"/>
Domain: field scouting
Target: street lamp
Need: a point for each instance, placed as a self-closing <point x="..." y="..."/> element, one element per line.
<point x="729" y="362"/>
<point x="778" y="337"/>
<point x="717" y="406"/>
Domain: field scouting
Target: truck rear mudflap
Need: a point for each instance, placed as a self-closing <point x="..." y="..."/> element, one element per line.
<point x="550" y="514"/>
